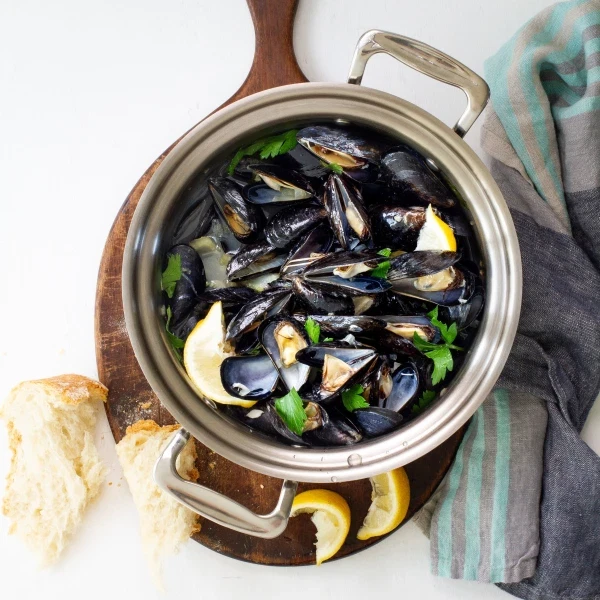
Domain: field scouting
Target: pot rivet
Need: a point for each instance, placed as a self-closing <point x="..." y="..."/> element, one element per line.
<point x="334" y="479"/>
<point x="404" y="444"/>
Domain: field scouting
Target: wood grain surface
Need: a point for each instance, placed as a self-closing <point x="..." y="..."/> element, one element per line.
<point x="130" y="397"/>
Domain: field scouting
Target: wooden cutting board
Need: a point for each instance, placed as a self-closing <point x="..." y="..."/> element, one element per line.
<point x="131" y="398"/>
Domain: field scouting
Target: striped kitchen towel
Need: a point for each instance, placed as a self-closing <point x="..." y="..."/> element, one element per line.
<point x="520" y="506"/>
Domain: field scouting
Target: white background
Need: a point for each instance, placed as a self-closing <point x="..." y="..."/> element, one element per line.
<point x="90" y="93"/>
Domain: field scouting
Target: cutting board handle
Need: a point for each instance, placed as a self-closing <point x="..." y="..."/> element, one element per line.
<point x="274" y="61"/>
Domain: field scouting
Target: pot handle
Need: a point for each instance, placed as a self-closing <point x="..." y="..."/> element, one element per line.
<point x="428" y="61"/>
<point x="215" y="506"/>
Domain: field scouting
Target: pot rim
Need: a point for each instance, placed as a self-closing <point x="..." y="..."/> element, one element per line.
<point x="271" y="109"/>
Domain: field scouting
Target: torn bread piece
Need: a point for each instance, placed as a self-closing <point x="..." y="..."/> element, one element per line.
<point x="55" y="470"/>
<point x="164" y="522"/>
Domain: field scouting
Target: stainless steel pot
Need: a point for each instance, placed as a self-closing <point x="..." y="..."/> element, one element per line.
<point x="292" y="106"/>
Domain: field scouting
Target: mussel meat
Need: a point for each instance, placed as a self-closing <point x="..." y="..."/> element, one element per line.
<point x="282" y="338"/>
<point x="345" y="264"/>
<point x="244" y="219"/>
<point x="405" y="170"/>
<point x="407" y="326"/>
<point x="335" y="430"/>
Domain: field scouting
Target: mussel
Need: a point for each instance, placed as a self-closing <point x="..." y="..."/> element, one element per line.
<point x="340" y="326"/>
<point x="356" y="152"/>
<point x="405" y="388"/>
<point x="289" y="185"/>
<point x="375" y="421"/>
<point x="356" y="286"/>
<point x="282" y="338"/>
<point x="269" y="302"/>
<point x="290" y="223"/>
<point x="335" y="430"/>
<point x="244" y="219"/>
<point x="190" y="285"/>
<point x="407" y="326"/>
<point x="397" y="226"/>
<point x="263" y="417"/>
<point x="317" y="242"/>
<point x="342" y="365"/>
<point x="249" y="377"/>
<point x="345" y="264"/>
<point x="421" y="263"/>
<point x="405" y="170"/>
<point x="319" y="301"/>
<point x="228" y="295"/>
<point x="345" y="210"/>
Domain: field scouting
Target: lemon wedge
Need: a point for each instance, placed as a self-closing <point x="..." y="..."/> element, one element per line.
<point x="331" y="516"/>
<point x="389" y="504"/>
<point x="435" y="234"/>
<point x="204" y="351"/>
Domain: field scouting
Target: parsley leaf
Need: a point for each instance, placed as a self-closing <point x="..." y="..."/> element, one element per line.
<point x="176" y="343"/>
<point x="448" y="333"/>
<point x="353" y="399"/>
<point x="313" y="329"/>
<point x="291" y="410"/>
<point x="440" y="354"/>
<point x="328" y="340"/>
<point x="268" y="147"/>
<point x="381" y="270"/>
<point x="171" y="274"/>
<point x="423" y="402"/>
<point x="337" y="169"/>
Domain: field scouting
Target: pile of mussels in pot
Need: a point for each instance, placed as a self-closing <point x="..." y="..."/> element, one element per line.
<point x="338" y="325"/>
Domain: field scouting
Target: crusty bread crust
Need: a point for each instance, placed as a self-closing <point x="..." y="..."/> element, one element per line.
<point x="70" y="389"/>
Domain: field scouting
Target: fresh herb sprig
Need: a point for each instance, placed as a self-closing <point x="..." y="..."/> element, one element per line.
<point x="313" y="330"/>
<point x="268" y="147"/>
<point x="423" y="402"/>
<point x="337" y="169"/>
<point x="352" y="398"/>
<point x="176" y="342"/>
<point x="171" y="275"/>
<point x="291" y="410"/>
<point x="381" y="270"/>
<point x="440" y="354"/>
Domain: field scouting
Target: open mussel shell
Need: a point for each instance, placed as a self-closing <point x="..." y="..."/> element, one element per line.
<point x="406" y="385"/>
<point x="250" y="254"/>
<point x="375" y="421"/>
<point x="196" y="222"/>
<point x="316" y="242"/>
<point x="264" y="418"/>
<point x="450" y="287"/>
<point x="292" y="222"/>
<point x="342" y="366"/>
<point x="244" y="219"/>
<point x="190" y="285"/>
<point x="345" y="210"/>
<point x="407" y="326"/>
<point x="321" y="302"/>
<point x="228" y="295"/>
<point x="358" y="153"/>
<point x="249" y="377"/>
<point x="387" y="342"/>
<point x="342" y="325"/>
<point x="466" y="313"/>
<point x="421" y="263"/>
<point x="335" y="430"/>
<point x="397" y="226"/>
<point x="289" y="184"/>
<point x="282" y="338"/>
<point x="356" y="286"/>
<point x="405" y="170"/>
<point x="345" y="264"/>
<point x="267" y="303"/>
<point x="379" y="385"/>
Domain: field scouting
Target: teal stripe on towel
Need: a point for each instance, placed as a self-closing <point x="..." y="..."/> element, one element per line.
<point x="502" y="480"/>
<point x="444" y="524"/>
<point x="473" y="507"/>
